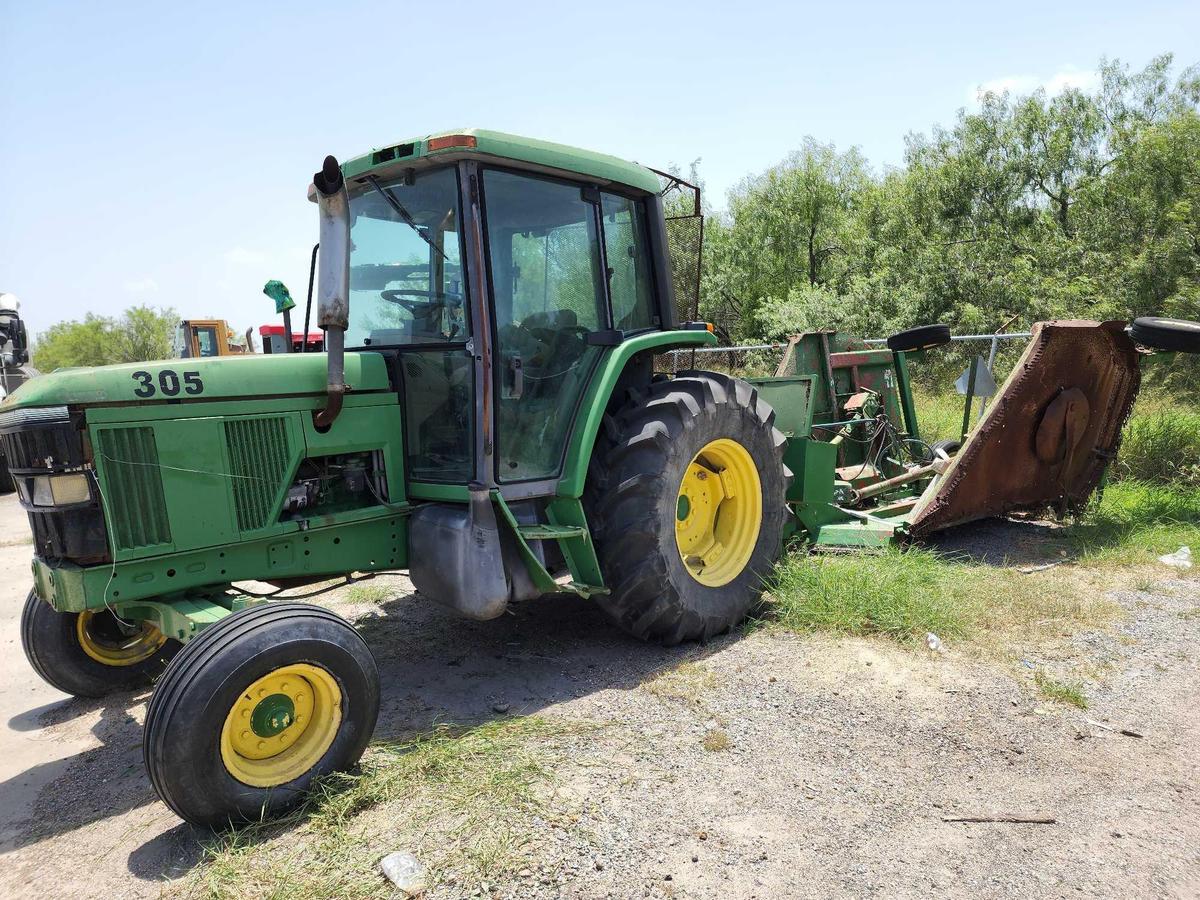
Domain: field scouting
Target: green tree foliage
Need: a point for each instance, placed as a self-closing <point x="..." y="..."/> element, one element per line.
<point x="1077" y="205"/>
<point x="139" y="334"/>
<point x="795" y="226"/>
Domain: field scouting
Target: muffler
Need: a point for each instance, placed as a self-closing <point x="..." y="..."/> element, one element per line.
<point x="328" y="191"/>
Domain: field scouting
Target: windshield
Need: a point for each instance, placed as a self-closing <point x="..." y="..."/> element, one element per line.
<point x="407" y="284"/>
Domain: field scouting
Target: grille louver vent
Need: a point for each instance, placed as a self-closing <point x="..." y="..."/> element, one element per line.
<point x="134" y="491"/>
<point x="258" y="455"/>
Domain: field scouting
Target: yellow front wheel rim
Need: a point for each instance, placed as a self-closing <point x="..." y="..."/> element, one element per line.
<point x="718" y="513"/>
<point x="281" y="725"/>
<point x="111" y="644"/>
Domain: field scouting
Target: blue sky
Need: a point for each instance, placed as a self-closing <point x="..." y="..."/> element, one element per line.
<point x="159" y="152"/>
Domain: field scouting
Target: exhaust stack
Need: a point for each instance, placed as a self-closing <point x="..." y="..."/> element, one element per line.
<point x="328" y="191"/>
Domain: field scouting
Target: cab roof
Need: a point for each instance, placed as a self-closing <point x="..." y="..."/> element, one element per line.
<point x="458" y="143"/>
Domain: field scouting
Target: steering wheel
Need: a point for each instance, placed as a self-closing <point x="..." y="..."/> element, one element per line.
<point x="415" y="307"/>
<point x="549" y="335"/>
<point x="565" y="345"/>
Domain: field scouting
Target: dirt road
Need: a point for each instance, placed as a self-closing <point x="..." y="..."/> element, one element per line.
<point x="844" y="758"/>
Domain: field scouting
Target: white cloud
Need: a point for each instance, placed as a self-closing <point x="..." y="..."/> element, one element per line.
<point x="1085" y="81"/>
<point x="240" y="256"/>
<point x="1068" y="77"/>
<point x="144" y="285"/>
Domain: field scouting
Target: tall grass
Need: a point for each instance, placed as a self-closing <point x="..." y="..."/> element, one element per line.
<point x="899" y="593"/>
<point x="904" y="593"/>
<point x="1161" y="445"/>
<point x="939" y="415"/>
<point x="1135" y="521"/>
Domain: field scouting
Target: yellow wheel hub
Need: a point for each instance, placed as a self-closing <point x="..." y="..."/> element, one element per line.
<point x="106" y="640"/>
<point x="281" y="725"/>
<point x="718" y="513"/>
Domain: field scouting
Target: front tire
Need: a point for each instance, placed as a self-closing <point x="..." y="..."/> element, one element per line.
<point x="687" y="503"/>
<point x="255" y="709"/>
<point x="93" y="653"/>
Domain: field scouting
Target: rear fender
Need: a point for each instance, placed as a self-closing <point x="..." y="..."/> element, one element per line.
<point x="600" y="391"/>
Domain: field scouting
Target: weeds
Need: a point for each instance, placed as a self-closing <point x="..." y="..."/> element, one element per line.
<point x="904" y="593"/>
<point x="1059" y="691"/>
<point x="369" y="593"/>
<point x="464" y="797"/>
<point x="687" y="682"/>
<point x="716" y="740"/>
<point x="900" y="593"/>
<point x="939" y="415"/>
<point x="1136" y="521"/>
<point x="1162" y="447"/>
<point x="1161" y="442"/>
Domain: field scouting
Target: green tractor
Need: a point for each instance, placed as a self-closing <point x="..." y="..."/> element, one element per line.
<point x="486" y="415"/>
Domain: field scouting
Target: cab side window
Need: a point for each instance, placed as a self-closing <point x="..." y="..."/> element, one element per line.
<point x="626" y="247"/>
<point x="206" y="339"/>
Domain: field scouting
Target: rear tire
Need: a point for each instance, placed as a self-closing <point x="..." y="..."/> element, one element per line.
<point x="700" y="425"/>
<point x="91" y="654"/>
<point x="255" y="709"/>
<point x="1166" y="334"/>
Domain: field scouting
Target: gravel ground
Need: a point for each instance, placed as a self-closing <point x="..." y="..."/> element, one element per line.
<point x="844" y="757"/>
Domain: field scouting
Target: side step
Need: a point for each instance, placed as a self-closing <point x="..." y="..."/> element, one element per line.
<point x="575" y="541"/>
<point x="542" y="532"/>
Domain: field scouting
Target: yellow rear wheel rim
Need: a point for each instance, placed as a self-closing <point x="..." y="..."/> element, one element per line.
<point x="117" y="648"/>
<point x="718" y="513"/>
<point x="281" y="725"/>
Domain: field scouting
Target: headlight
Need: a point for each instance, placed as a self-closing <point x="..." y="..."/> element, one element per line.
<point x="61" y="490"/>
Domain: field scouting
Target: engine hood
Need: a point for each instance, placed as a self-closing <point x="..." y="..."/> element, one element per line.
<point x="217" y="378"/>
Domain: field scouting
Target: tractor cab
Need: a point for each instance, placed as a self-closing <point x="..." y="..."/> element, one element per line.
<point x="199" y="338"/>
<point x="496" y="285"/>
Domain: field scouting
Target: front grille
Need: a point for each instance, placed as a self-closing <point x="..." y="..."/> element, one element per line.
<point x="41" y="440"/>
<point x="259" y="454"/>
<point x="133" y="487"/>
<point x="75" y="535"/>
<point x="44" y="440"/>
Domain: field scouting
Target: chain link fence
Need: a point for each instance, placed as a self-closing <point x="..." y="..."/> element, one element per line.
<point x="752" y="360"/>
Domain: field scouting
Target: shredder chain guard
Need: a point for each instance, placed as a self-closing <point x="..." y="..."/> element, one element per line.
<point x="1053" y="428"/>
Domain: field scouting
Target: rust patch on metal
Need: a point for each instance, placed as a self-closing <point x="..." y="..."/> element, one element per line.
<point x="858" y="401"/>
<point x="1055" y="426"/>
<point x="849" y="359"/>
<point x="1063" y="426"/>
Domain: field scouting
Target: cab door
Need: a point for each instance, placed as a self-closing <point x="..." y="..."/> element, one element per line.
<point x="570" y="277"/>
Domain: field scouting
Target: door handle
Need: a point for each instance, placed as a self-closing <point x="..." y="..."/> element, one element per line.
<point x="518" y="377"/>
